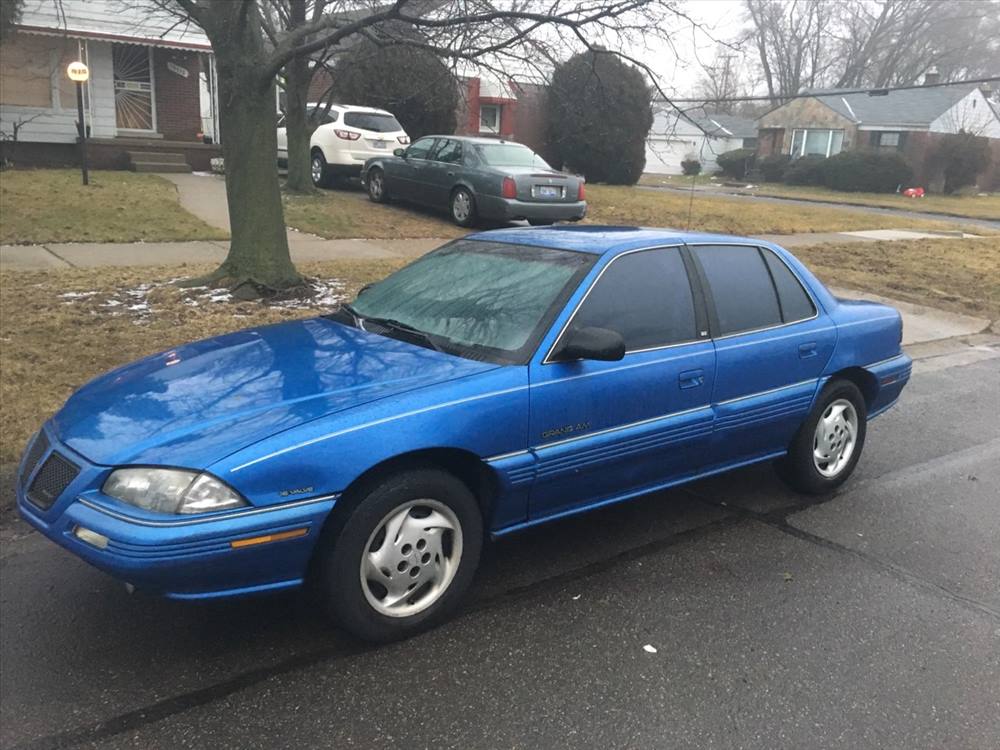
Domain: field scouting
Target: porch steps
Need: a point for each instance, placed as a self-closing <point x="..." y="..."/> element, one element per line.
<point x="158" y="161"/>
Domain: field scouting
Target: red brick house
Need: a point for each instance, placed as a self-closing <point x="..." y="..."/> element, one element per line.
<point x="149" y="103"/>
<point x="909" y="122"/>
<point x="503" y="109"/>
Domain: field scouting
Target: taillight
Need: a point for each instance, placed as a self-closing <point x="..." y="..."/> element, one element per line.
<point x="581" y="193"/>
<point x="509" y="189"/>
<point x="404" y="139"/>
<point x="347" y="135"/>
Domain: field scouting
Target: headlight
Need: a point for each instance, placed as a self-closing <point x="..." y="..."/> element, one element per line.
<point x="171" y="490"/>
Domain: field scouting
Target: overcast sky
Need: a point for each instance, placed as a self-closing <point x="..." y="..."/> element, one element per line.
<point x="678" y="69"/>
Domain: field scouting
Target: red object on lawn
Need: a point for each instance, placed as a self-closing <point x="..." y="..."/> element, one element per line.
<point x="914" y="192"/>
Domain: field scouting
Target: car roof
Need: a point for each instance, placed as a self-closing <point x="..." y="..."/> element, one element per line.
<point x="349" y="108"/>
<point x="476" y="139"/>
<point x="601" y="240"/>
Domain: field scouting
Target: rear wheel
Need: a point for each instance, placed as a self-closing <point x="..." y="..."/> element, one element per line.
<point x="828" y="445"/>
<point x="404" y="557"/>
<point x="463" y="207"/>
<point x="541" y="222"/>
<point x="321" y="176"/>
<point x="377" y="192"/>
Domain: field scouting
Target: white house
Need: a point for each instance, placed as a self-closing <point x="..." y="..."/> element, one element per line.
<point x="677" y="136"/>
<point x="150" y="83"/>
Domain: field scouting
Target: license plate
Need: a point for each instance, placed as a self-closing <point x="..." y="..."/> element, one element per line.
<point x="378" y="144"/>
<point x="548" y="191"/>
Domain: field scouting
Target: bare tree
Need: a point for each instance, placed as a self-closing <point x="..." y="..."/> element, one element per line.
<point x="883" y="43"/>
<point x="792" y="43"/>
<point x="248" y="58"/>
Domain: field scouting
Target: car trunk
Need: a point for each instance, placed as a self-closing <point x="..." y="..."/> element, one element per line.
<point x="545" y="186"/>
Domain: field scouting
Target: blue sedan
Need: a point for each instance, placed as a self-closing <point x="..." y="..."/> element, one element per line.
<point x="507" y="379"/>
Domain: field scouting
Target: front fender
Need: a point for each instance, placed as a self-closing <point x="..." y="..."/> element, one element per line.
<point x="485" y="415"/>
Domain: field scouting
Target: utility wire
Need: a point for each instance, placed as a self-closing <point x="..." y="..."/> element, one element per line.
<point x="833" y="92"/>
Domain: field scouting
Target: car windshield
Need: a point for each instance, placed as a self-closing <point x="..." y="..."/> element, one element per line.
<point x="372" y="121"/>
<point x="478" y="299"/>
<point x="511" y="155"/>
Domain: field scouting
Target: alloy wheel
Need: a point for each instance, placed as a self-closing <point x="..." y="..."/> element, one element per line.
<point x="411" y="558"/>
<point x="835" y="437"/>
<point x="317" y="170"/>
<point x="375" y="185"/>
<point x="461" y="206"/>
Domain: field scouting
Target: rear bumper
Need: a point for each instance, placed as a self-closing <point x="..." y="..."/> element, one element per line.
<point x="510" y="209"/>
<point x="184" y="557"/>
<point x="892" y="375"/>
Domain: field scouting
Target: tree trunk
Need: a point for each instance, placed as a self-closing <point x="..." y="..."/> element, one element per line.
<point x="298" y="126"/>
<point x="258" y="259"/>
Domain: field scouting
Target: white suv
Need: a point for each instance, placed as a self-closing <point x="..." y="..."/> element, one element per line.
<point x="346" y="138"/>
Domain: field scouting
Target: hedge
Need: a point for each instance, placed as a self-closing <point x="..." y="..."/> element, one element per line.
<point x="866" y="172"/>
<point x="736" y="163"/>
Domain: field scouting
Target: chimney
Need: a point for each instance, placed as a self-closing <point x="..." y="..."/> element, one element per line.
<point x="932" y="76"/>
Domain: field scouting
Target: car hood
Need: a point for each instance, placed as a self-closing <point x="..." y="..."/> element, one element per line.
<point x="196" y="404"/>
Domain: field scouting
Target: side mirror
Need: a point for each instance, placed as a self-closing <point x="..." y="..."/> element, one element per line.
<point x="399" y="152"/>
<point x="591" y="343"/>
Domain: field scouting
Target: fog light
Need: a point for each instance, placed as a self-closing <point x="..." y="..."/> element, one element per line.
<point x="91" y="537"/>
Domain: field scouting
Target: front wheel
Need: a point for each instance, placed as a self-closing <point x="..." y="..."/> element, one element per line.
<point x="377" y="192"/>
<point x="404" y="557"/>
<point x="463" y="207"/>
<point x="828" y="445"/>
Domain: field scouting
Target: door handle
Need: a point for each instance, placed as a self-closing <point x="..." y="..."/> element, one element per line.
<point x="807" y="350"/>
<point x="691" y="379"/>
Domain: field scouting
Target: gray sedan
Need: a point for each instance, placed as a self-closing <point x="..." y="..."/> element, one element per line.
<point x="476" y="178"/>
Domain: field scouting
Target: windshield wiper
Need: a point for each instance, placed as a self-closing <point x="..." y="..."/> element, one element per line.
<point x="405" y="328"/>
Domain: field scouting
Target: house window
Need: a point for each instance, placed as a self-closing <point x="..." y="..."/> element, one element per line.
<point x="814" y="141"/>
<point x="885" y="141"/>
<point x="489" y="118"/>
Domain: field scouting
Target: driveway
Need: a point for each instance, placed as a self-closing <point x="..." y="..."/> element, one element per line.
<point x="727" y="614"/>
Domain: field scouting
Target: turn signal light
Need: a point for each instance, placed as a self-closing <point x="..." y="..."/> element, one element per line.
<point x="347" y="135"/>
<point x="581" y="193"/>
<point x="280" y="536"/>
<point x="509" y="189"/>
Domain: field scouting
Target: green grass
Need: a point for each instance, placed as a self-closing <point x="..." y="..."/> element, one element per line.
<point x="51" y="205"/>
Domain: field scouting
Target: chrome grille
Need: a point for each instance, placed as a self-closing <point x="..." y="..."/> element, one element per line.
<point x="52" y="480"/>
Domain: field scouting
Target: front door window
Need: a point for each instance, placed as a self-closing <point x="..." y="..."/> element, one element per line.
<point x="133" y="87"/>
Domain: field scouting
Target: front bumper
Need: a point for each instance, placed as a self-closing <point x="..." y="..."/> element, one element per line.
<point x="184" y="557"/>
<point x="511" y="209"/>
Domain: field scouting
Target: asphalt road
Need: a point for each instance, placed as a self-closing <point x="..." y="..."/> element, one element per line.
<point x="868" y="619"/>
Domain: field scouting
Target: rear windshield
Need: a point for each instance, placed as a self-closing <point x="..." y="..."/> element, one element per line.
<point x="372" y="121"/>
<point x="510" y="155"/>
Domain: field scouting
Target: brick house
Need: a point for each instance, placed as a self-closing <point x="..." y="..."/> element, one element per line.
<point x="149" y="103"/>
<point x="909" y="122"/>
<point x="509" y="109"/>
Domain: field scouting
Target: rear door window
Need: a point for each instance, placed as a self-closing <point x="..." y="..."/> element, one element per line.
<point x="449" y="152"/>
<point x="644" y="296"/>
<point x="741" y="287"/>
<point x="795" y="302"/>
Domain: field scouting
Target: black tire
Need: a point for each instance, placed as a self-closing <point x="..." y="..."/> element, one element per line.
<point x="541" y="222"/>
<point x="340" y="564"/>
<point x="457" y="196"/>
<point x="376" y="174"/>
<point x="798" y="468"/>
<point x="319" y="169"/>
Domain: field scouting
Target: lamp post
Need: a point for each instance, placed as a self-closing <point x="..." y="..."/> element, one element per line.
<point x="79" y="73"/>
